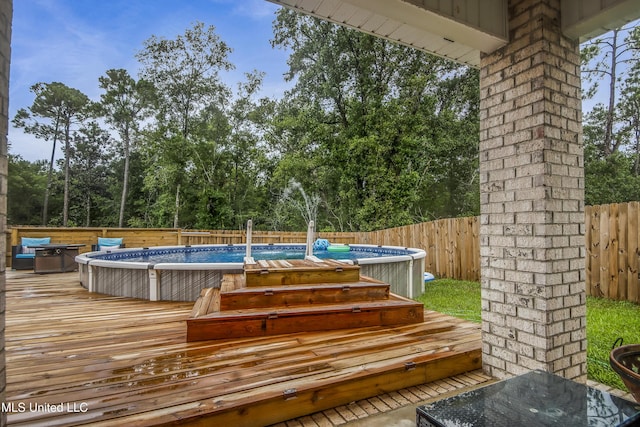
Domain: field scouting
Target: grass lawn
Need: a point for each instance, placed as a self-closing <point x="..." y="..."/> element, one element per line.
<point x="607" y="320"/>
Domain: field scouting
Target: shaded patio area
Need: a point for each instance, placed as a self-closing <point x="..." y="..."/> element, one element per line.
<point x="75" y="357"/>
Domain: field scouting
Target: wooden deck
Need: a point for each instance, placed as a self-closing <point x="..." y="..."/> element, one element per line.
<point x="75" y="357"/>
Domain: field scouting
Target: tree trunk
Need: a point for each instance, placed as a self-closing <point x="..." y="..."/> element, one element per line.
<point x="87" y="221"/>
<point x="125" y="179"/>
<point x="609" y="146"/>
<point x="45" y="203"/>
<point x="67" y="152"/>
<point x="636" y="162"/>
<point x="176" y="222"/>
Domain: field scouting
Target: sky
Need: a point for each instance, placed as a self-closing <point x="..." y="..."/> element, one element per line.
<point x="76" y="41"/>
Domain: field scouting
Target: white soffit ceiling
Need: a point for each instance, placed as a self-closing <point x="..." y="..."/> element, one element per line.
<point x="587" y="19"/>
<point x="455" y="29"/>
<point x="460" y="29"/>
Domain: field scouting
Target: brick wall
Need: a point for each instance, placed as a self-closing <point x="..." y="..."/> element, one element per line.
<point x="6" y="13"/>
<point x="532" y="199"/>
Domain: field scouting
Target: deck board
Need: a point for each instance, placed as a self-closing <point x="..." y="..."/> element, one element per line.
<point x="128" y="360"/>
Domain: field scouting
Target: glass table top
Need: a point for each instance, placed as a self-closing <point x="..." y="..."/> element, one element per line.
<point x="533" y="399"/>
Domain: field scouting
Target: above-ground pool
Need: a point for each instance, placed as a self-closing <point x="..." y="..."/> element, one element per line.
<point x="179" y="273"/>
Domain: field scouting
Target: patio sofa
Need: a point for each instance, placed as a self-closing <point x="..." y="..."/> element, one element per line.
<point x="22" y="255"/>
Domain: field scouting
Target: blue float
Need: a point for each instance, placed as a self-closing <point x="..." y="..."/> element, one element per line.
<point x="320" y="245"/>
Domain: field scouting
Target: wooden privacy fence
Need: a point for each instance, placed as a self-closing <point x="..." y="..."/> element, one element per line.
<point x="148" y="237"/>
<point x="613" y="254"/>
<point x="612" y="240"/>
<point x="452" y="245"/>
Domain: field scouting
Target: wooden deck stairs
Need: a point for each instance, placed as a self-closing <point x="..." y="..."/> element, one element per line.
<point x="288" y="296"/>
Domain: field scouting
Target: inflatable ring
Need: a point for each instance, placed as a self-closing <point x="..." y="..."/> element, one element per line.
<point x="338" y="247"/>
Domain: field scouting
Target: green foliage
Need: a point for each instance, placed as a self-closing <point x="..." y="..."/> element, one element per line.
<point x="88" y="169"/>
<point x="214" y="212"/>
<point x="457" y="298"/>
<point x="185" y="73"/>
<point x="608" y="320"/>
<point x="26" y="184"/>
<point x="377" y="124"/>
<point x="125" y="104"/>
<point x="609" y="179"/>
<point x="612" y="128"/>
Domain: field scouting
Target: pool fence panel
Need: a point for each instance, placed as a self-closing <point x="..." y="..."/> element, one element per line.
<point x="612" y="257"/>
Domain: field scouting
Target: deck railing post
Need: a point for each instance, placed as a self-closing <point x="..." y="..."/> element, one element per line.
<point x="154" y="285"/>
<point x="249" y="238"/>
<point x="310" y="234"/>
<point x="410" y="279"/>
<point x="90" y="278"/>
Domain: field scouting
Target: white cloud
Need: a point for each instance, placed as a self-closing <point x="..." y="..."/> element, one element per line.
<point x="256" y="9"/>
<point x="29" y="148"/>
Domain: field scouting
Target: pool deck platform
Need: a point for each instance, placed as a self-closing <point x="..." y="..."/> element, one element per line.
<point x="80" y="358"/>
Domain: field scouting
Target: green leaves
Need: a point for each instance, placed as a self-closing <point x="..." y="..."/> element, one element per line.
<point x="26" y="184"/>
<point x="378" y="123"/>
<point x="611" y="129"/>
<point x="376" y="134"/>
<point x="185" y="73"/>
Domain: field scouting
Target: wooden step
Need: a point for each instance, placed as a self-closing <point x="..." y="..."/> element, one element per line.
<point x="298" y="271"/>
<point x="259" y="322"/>
<point x="207" y="302"/>
<point x="300" y="295"/>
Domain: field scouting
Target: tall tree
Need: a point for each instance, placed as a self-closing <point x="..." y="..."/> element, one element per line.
<point x="603" y="59"/>
<point x="245" y="151"/>
<point x="377" y="119"/>
<point x="125" y="105"/>
<point x="629" y="108"/>
<point x="89" y="168"/>
<point x="186" y="73"/>
<point x="54" y="111"/>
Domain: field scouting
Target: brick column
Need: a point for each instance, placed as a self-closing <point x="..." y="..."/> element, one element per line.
<point x="6" y="14"/>
<point x="532" y="199"/>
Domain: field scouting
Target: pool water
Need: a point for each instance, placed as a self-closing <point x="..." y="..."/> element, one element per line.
<point x="232" y="254"/>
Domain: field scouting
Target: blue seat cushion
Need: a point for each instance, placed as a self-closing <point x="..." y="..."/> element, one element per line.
<point x="33" y="241"/>
<point x="105" y="243"/>
<point x="25" y="256"/>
